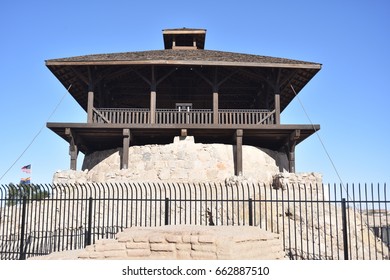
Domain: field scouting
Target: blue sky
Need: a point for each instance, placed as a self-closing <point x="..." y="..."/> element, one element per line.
<point x="349" y="97"/>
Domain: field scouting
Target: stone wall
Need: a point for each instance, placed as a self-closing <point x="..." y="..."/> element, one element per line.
<point x="317" y="225"/>
<point x="183" y="243"/>
<point x="181" y="161"/>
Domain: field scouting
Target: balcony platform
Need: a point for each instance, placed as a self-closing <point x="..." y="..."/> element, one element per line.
<point x="90" y="137"/>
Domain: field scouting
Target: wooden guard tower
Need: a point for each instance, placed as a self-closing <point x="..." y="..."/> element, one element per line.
<point x="149" y="97"/>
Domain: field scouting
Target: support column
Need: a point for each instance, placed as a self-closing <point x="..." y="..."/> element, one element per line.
<point x="215" y="106"/>
<point x="277" y="108"/>
<point x="125" y="151"/>
<point x="90" y="106"/>
<point x="153" y="89"/>
<point x="73" y="150"/>
<point x="292" y="141"/>
<point x="238" y="153"/>
<point x="152" y="105"/>
<point x="291" y="160"/>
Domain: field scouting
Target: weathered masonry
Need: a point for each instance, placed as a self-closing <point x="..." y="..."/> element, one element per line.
<point x="149" y="97"/>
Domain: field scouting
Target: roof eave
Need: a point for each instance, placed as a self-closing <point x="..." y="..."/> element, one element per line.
<point x="184" y="62"/>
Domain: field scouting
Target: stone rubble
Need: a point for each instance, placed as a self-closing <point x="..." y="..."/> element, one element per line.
<point x="182" y="243"/>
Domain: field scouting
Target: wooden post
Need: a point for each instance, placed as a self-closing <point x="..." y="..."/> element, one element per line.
<point x="125" y="151"/>
<point x="73" y="150"/>
<point x="153" y="88"/>
<point x="238" y="157"/>
<point x="277" y="108"/>
<point x="291" y="160"/>
<point x="152" y="106"/>
<point x="90" y="106"/>
<point x="215" y="106"/>
<point x="292" y="141"/>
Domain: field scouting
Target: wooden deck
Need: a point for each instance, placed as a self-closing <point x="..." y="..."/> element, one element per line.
<point x="90" y="137"/>
<point x="175" y="116"/>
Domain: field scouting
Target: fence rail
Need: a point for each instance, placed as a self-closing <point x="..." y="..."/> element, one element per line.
<point x="315" y="222"/>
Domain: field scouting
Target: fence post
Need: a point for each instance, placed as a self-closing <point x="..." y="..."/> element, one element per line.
<point x="250" y="211"/>
<point x="166" y="214"/>
<point x="88" y="237"/>
<point x="22" y="253"/>
<point x="345" y="233"/>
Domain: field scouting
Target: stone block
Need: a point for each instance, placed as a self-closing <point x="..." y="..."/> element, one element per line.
<point x="137" y="245"/>
<point x="141" y="238"/>
<point x="167" y="247"/>
<point x="205" y="247"/>
<point x="138" y="253"/>
<point x="90" y="248"/>
<point x="157" y="238"/>
<point x="114" y="246"/>
<point x="183" y="247"/>
<point x="186" y="238"/>
<point x="84" y="255"/>
<point x="207" y="238"/>
<point x="123" y="237"/>
<point x="118" y="254"/>
<point x="183" y="255"/>
<point x="96" y="255"/>
<point x="194" y="239"/>
<point x="162" y="255"/>
<point x="200" y="255"/>
<point x="99" y="248"/>
<point x="173" y="238"/>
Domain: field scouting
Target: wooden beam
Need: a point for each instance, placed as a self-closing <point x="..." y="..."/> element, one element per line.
<point x="165" y="76"/>
<point x="125" y="151"/>
<point x="73" y="150"/>
<point x="80" y="75"/>
<point x="152" y="107"/>
<point x="238" y="153"/>
<point x="290" y="149"/>
<point x="90" y="106"/>
<point x="188" y="62"/>
<point x="215" y="107"/>
<point x="277" y="108"/>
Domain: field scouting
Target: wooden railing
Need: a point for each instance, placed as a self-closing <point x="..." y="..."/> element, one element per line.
<point x="131" y="116"/>
<point x="174" y="116"/>
<point x="246" y="116"/>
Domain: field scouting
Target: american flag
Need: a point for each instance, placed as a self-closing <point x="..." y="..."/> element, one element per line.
<point x="27" y="168"/>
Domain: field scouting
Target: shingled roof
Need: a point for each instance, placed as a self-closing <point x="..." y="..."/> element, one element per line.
<point x="184" y="57"/>
<point x="184" y="49"/>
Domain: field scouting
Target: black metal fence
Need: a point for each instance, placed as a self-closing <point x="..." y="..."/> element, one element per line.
<point x="315" y="222"/>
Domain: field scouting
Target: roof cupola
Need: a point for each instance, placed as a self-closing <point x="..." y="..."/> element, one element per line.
<point x="184" y="38"/>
